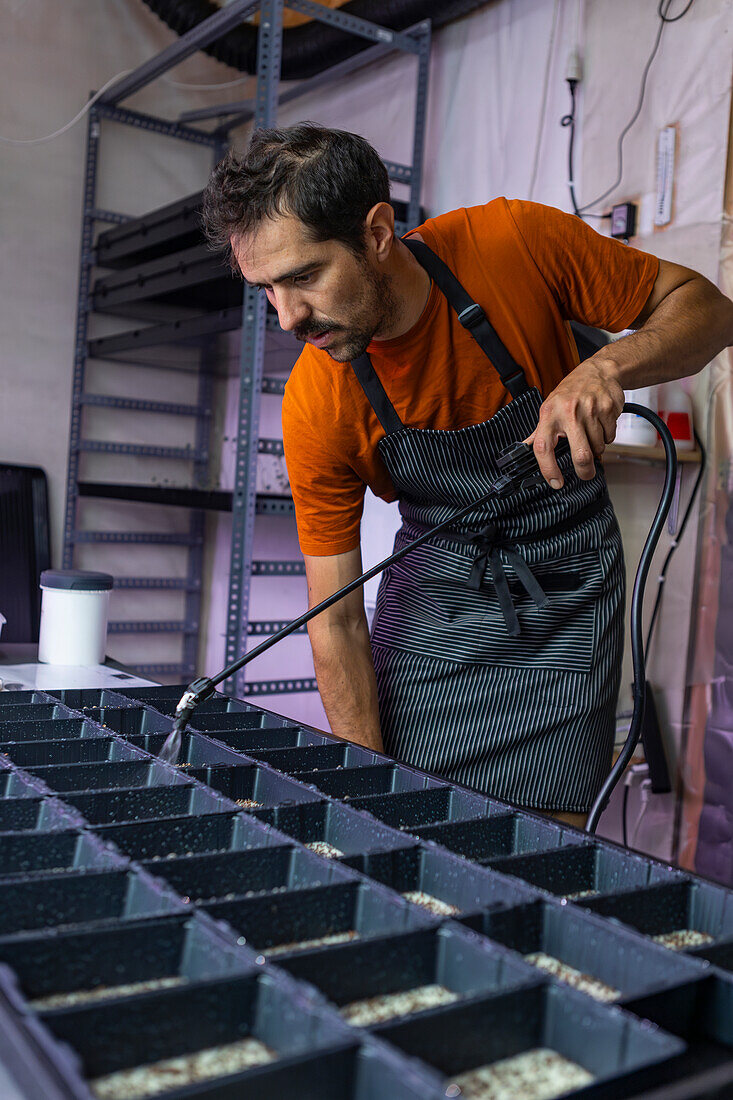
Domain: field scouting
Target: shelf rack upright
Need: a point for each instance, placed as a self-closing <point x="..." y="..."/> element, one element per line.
<point x="253" y="319"/>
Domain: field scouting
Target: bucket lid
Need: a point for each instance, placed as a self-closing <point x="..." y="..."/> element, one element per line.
<point x="78" y="579"/>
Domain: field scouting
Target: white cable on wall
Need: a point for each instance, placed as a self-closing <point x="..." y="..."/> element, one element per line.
<point x="74" y="120"/>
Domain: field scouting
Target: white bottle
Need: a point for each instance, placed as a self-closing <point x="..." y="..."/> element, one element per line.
<point x="74" y="610"/>
<point x="676" y="412"/>
<point x="633" y="430"/>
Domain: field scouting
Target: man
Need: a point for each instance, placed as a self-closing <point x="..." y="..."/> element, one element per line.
<point x="495" y="653"/>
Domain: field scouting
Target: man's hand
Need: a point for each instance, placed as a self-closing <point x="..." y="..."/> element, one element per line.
<point x="584" y="408"/>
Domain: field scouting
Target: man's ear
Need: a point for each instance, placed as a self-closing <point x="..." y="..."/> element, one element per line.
<point x="379" y="230"/>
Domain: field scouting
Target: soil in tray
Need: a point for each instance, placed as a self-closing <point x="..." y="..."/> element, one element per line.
<point x="539" y="1074"/>
<point x="323" y="848"/>
<point x="103" y="993"/>
<point x="683" y="938"/>
<point x="247" y="803"/>
<point x="586" y="983"/>
<point x="187" y="1069"/>
<point x="302" y="945"/>
<point x="433" y="905"/>
<point x="374" y="1010"/>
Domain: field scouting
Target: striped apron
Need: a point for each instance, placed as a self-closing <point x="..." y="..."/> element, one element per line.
<point x="497" y="645"/>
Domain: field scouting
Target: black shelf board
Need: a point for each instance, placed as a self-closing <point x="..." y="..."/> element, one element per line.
<point x="212" y="500"/>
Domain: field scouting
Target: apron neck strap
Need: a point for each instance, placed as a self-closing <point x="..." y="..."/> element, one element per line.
<point x="471" y="316"/>
<point x="375" y="394"/>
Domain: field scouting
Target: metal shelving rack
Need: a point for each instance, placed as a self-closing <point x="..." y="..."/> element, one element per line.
<point x="198" y="332"/>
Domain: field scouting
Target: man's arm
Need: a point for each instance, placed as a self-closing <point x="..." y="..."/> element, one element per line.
<point x="341" y="651"/>
<point x="685" y="322"/>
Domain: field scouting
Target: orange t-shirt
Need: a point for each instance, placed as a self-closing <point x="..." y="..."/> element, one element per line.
<point x="532" y="268"/>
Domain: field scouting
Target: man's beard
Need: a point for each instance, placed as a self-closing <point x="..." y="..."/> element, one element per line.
<point x="378" y="314"/>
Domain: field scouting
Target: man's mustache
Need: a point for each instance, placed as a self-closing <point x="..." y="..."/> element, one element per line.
<point x="314" y="328"/>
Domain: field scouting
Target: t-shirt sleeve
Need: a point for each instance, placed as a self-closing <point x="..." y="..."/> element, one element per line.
<point x="594" y="279"/>
<point x="328" y="494"/>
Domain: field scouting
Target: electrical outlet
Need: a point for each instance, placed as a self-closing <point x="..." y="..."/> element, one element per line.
<point x="623" y="220"/>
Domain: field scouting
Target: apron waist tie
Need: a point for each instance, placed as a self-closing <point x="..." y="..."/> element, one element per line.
<point x="487" y="554"/>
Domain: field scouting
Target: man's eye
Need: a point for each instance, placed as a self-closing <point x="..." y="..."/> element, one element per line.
<point x="303" y="280"/>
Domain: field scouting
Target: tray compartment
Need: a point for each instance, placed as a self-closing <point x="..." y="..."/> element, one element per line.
<point x="268" y="737"/>
<point x="345" y="908"/>
<point x="196" y="749"/>
<point x="316" y="757"/>
<point x="140" y="772"/>
<point x="90" y="698"/>
<point x="212" y="876"/>
<point x="62" y="851"/>
<point x="700" y="1012"/>
<point x="23" y="815"/>
<point x="130" y="721"/>
<point x="33" y="712"/>
<point x="580" y="871"/>
<point x="339" y="826"/>
<point x="183" y="836"/>
<point x="450" y="882"/>
<point x="23" y="699"/>
<point x="490" y="838"/>
<point x="49" y="729"/>
<point x="15" y="784"/>
<point x="180" y="946"/>
<point x="144" y="1030"/>
<point x="450" y="956"/>
<point x="144" y="803"/>
<point x="608" y="1043"/>
<point x="253" y="783"/>
<point x="619" y="959"/>
<point x="51" y="901"/>
<point x="347" y="783"/>
<point x="412" y="809"/>
<point x="668" y="907"/>
<point x="86" y="750"/>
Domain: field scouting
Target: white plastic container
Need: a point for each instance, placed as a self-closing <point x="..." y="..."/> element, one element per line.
<point x="74" y="609"/>
<point x="633" y="430"/>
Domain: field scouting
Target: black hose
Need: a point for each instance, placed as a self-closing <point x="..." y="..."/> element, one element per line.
<point x="637" y="601"/>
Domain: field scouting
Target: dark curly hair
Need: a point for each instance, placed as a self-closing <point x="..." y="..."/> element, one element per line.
<point x="329" y="179"/>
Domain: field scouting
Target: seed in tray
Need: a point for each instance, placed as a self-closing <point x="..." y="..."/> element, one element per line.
<point x="323" y="848"/>
<point x="103" y="993"/>
<point x="435" y="905"/>
<point x="187" y="1069"/>
<point x="247" y="803"/>
<point x="375" y="1009"/>
<point x="580" y="894"/>
<point x="301" y="945"/>
<point x="538" y="1074"/>
<point x="682" y="938"/>
<point x="586" y="983"/>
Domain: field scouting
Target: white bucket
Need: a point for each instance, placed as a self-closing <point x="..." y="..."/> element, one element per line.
<point x="74" y="610"/>
<point x="633" y="430"/>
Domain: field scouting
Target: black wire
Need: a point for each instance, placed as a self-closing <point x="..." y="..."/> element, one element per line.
<point x="624" y="812"/>
<point x="583" y="211"/>
<point x="675" y="544"/>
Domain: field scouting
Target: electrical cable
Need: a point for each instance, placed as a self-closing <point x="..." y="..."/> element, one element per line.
<point x="204" y="687"/>
<point x="569" y="120"/>
<point x="624" y="810"/>
<point x="77" y="118"/>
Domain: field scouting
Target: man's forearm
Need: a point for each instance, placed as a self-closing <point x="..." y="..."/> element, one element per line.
<point x="343" y="661"/>
<point x="685" y="332"/>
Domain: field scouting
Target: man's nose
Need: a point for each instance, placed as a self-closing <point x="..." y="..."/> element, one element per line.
<point x="291" y="310"/>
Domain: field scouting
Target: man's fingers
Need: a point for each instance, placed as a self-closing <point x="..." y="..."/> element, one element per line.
<point x="544" y="443"/>
<point x="581" y="450"/>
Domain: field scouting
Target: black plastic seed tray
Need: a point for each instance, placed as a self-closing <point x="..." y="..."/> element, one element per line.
<point x="59" y="729"/>
<point x="490" y="838"/>
<point x="621" y="964"/>
<point x="419" y="808"/>
<point x="674" y="907"/>
<point x="370" y="779"/>
<point x="140" y="772"/>
<point x="464" y="964"/>
<point x="609" y="1044"/>
<point x="144" y="803"/>
<point x="186" y="836"/>
<point x="70" y="751"/>
<point x="91" y="698"/>
<point x="130" y="720"/>
<point x="15" y="784"/>
<point x="167" y="229"/>
<point x="580" y="871"/>
<point x="219" y="716"/>
<point x="317" y="757"/>
<point x="62" y="851"/>
<point x="113" y="961"/>
<point x="43" y="815"/>
<point x="266" y="737"/>
<point x="50" y="901"/>
<point x="700" y="1012"/>
<point x="217" y="875"/>
<point x="278" y="924"/>
<point x="34" y="712"/>
<point x="441" y="883"/>
<point x="720" y="954"/>
<point x="141" y="1031"/>
<point x="22" y="698"/>
<point x="196" y="749"/>
<point x="341" y="828"/>
<point x="253" y="785"/>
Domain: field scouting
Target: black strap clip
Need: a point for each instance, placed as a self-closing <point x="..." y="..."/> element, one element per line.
<point x="472" y="316"/>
